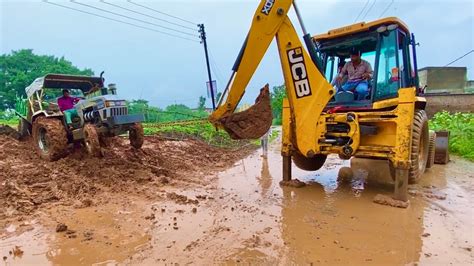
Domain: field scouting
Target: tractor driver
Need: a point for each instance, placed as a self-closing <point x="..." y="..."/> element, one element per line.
<point x="358" y="72"/>
<point x="66" y="105"/>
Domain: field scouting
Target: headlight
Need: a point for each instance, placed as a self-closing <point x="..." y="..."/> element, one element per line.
<point x="100" y="105"/>
<point x="109" y="103"/>
<point x="121" y="103"/>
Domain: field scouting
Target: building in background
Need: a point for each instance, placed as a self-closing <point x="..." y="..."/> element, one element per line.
<point x="452" y="80"/>
<point x="447" y="89"/>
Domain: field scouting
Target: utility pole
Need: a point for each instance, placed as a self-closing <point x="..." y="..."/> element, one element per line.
<point x="203" y="40"/>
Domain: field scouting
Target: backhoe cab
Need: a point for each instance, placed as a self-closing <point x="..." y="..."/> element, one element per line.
<point x="319" y="119"/>
<point x="385" y="44"/>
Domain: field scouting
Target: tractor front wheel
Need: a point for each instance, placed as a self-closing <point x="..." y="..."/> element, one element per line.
<point x="91" y="141"/>
<point x="136" y="135"/>
<point x="50" y="138"/>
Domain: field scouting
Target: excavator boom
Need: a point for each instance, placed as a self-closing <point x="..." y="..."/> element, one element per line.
<point x="308" y="91"/>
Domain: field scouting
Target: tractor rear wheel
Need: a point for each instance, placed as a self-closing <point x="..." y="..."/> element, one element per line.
<point x="50" y="138"/>
<point x="308" y="164"/>
<point x="91" y="140"/>
<point x="136" y="135"/>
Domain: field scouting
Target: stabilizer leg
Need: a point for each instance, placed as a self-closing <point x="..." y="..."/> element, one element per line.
<point x="401" y="184"/>
<point x="286" y="168"/>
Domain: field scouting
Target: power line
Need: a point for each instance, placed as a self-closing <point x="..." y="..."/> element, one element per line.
<point x="120" y="21"/>
<point x="386" y="9"/>
<point x="161" y="12"/>
<point x="360" y="13"/>
<point x="216" y="68"/>
<point x="370" y="8"/>
<point x="131" y="18"/>
<point x="459" y="58"/>
<point x="146" y="15"/>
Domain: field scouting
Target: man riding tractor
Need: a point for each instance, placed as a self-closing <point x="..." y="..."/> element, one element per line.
<point x="87" y="113"/>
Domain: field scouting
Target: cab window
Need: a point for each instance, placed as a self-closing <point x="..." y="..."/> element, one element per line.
<point x="387" y="77"/>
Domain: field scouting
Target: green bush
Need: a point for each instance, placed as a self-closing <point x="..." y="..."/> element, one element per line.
<point x="8" y="118"/>
<point x="461" y="128"/>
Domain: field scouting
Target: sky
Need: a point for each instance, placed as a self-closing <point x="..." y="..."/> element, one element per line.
<point x="166" y="70"/>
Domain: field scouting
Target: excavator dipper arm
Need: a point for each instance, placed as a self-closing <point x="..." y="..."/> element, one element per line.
<point x="307" y="90"/>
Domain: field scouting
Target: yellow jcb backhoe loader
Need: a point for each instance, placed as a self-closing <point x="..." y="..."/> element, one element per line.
<point x="389" y="123"/>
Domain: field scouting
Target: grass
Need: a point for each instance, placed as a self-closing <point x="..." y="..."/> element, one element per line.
<point x="9" y="122"/>
<point x="205" y="132"/>
<point x="461" y="128"/>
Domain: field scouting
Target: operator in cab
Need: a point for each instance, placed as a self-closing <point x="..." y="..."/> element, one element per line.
<point x="358" y="72"/>
<point x="66" y="105"/>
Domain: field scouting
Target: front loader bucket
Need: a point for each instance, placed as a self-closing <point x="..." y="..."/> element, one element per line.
<point x="253" y="122"/>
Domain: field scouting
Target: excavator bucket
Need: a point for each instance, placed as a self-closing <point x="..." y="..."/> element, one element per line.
<point x="253" y="122"/>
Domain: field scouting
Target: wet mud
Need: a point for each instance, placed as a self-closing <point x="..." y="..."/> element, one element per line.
<point x="242" y="215"/>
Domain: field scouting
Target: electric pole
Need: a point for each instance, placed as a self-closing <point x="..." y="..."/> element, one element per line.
<point x="203" y="40"/>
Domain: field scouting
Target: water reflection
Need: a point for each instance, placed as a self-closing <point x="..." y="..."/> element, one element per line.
<point x="265" y="178"/>
<point x="336" y="222"/>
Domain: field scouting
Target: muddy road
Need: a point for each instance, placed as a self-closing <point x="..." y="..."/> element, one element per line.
<point x="241" y="215"/>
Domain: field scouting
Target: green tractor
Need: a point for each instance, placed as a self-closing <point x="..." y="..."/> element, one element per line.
<point x="96" y="115"/>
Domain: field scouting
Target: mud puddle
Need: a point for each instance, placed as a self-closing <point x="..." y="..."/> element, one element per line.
<point x="102" y="235"/>
<point x="243" y="216"/>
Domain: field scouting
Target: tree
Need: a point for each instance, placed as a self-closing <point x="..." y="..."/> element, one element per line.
<point x="20" y="68"/>
<point x="202" y="103"/>
<point x="277" y="96"/>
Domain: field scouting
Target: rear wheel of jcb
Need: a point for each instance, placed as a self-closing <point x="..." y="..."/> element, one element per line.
<point x="419" y="146"/>
<point x="136" y="135"/>
<point x="91" y="140"/>
<point x="50" y="138"/>
<point x="431" y="150"/>
<point x="309" y="164"/>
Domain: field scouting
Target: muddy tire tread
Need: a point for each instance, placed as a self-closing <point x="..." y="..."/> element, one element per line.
<point x="136" y="135"/>
<point x="419" y="133"/>
<point x="431" y="150"/>
<point x="56" y="138"/>
<point x="92" y="137"/>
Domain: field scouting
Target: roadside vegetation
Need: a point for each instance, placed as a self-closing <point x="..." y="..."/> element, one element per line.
<point x="461" y="128"/>
<point x="19" y="69"/>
